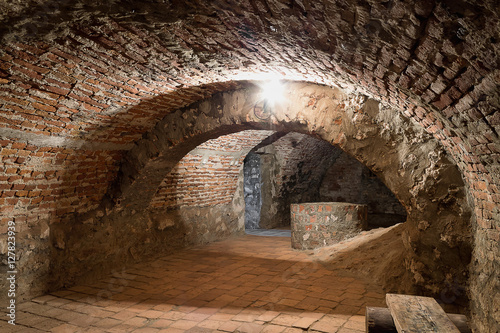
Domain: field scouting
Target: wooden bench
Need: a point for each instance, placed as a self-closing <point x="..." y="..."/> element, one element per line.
<point x="413" y="314"/>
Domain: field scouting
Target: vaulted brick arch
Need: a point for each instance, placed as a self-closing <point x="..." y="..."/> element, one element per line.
<point x="410" y="162"/>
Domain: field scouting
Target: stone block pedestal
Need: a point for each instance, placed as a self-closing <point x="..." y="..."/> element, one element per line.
<point x="321" y="224"/>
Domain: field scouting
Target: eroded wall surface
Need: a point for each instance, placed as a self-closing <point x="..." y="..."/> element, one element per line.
<point x="252" y="191"/>
<point x="292" y="167"/>
<point x="347" y="180"/>
<point x="437" y="236"/>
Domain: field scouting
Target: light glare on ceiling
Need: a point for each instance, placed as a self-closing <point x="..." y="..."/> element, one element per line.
<point x="272" y="91"/>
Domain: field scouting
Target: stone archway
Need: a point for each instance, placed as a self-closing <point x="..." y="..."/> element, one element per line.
<point x="410" y="162"/>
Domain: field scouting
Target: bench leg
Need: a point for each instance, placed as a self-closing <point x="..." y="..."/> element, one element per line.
<point x="379" y="320"/>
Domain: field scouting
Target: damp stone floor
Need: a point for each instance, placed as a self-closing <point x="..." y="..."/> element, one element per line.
<point x="253" y="283"/>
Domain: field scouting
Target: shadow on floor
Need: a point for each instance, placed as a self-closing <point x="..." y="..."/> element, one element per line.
<point x="251" y="281"/>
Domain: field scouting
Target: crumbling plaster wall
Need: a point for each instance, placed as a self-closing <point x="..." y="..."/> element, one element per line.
<point x="292" y="167"/>
<point x="300" y="168"/>
<point x="252" y="178"/>
<point x="269" y="217"/>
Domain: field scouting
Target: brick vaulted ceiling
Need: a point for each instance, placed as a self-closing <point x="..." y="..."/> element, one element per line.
<point x="79" y="70"/>
<point x="99" y="75"/>
<point x="99" y="61"/>
<point x="82" y="81"/>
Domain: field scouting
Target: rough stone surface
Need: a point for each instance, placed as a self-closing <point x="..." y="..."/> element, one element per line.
<point x="252" y="190"/>
<point x="347" y="180"/>
<point x="320" y="224"/>
<point x="270" y="170"/>
<point x="293" y="168"/>
<point x="298" y="168"/>
<point x="429" y="186"/>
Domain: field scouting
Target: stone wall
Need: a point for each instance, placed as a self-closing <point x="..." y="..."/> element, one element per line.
<point x="293" y="166"/>
<point x="252" y="190"/>
<point x="437" y="234"/>
<point x="347" y="180"/>
<point x="320" y="224"/>
<point x="42" y="185"/>
<point x="300" y="168"/>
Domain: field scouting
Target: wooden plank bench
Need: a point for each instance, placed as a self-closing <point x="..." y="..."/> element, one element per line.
<point x="412" y="314"/>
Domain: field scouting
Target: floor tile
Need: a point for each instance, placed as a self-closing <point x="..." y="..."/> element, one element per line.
<point x="254" y="283"/>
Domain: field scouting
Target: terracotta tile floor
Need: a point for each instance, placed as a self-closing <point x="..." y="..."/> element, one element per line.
<point x="246" y="284"/>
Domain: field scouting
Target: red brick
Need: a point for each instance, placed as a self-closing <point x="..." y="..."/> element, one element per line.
<point x="6" y="151"/>
<point x="21" y="193"/>
<point x="34" y="193"/>
<point x="30" y="66"/>
<point x="18" y="186"/>
<point x="31" y="74"/>
<point x="11" y="171"/>
<point x="35" y="201"/>
<point x="480" y="186"/>
<point x="12" y="201"/>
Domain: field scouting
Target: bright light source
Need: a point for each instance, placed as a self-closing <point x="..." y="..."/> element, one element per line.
<point x="272" y="91"/>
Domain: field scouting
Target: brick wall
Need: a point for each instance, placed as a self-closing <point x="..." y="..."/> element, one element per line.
<point x="40" y="187"/>
<point x="41" y="182"/>
<point x="140" y="234"/>
<point x="208" y="175"/>
<point x="316" y="225"/>
<point x="75" y="89"/>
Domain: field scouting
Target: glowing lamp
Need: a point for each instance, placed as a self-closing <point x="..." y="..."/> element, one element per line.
<point x="272" y="91"/>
